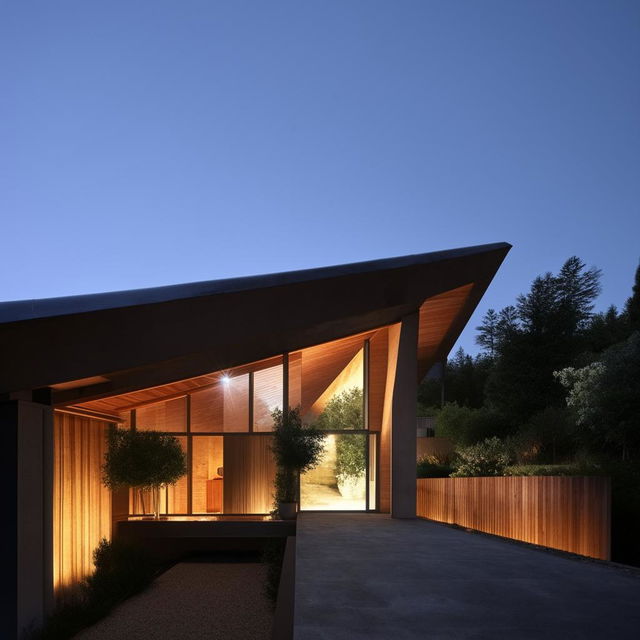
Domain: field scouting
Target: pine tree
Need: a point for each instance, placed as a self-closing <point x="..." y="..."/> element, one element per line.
<point x="632" y="307"/>
<point x="487" y="336"/>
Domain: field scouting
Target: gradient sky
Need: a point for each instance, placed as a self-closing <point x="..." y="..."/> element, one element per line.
<point x="151" y="143"/>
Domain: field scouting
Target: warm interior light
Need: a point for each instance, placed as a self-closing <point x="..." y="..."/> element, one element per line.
<point x="226" y="379"/>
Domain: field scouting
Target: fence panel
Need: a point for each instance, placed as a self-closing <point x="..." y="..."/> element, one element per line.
<point x="567" y="513"/>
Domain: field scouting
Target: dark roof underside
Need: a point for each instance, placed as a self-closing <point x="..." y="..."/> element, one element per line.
<point x="133" y="339"/>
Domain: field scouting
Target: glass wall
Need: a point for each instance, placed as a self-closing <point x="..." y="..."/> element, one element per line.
<point x="224" y="429"/>
<point x="339" y="481"/>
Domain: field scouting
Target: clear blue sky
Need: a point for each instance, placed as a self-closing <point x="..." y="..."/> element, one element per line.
<point x="151" y="143"/>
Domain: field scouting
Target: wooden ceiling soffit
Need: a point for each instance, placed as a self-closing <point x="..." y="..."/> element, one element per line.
<point x="326" y="357"/>
<point x="438" y="316"/>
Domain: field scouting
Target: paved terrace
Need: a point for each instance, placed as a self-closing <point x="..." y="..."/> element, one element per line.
<point x="368" y="576"/>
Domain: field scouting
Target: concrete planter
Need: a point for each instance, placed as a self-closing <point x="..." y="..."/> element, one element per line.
<point x="288" y="510"/>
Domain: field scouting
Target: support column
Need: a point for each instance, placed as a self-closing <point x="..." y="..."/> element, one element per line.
<point x="27" y="487"/>
<point x="403" y="417"/>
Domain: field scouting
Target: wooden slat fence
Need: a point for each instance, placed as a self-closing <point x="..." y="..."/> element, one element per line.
<point x="567" y="513"/>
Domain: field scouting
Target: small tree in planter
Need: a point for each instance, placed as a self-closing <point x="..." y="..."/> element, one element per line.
<point x="296" y="449"/>
<point x="143" y="460"/>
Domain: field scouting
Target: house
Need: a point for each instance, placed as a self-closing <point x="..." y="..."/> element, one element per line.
<point x="209" y="362"/>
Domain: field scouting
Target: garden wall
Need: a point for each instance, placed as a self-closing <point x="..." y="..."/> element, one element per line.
<point x="568" y="513"/>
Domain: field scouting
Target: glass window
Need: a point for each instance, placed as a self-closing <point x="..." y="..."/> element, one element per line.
<point x="176" y="500"/>
<point x="267" y="396"/>
<point x="207" y="460"/>
<point x="222" y="407"/>
<point x="373" y="467"/>
<point x="170" y="415"/>
<point x="339" y="481"/>
<point x="327" y="382"/>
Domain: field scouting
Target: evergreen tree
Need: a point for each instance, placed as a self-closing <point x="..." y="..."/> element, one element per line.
<point x="632" y="308"/>
<point x="487" y="336"/>
<point x="508" y="326"/>
<point x="542" y="334"/>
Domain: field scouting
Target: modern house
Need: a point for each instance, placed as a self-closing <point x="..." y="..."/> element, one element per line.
<point x="209" y="362"/>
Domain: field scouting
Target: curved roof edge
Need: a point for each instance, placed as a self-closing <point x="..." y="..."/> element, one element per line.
<point x="21" y="310"/>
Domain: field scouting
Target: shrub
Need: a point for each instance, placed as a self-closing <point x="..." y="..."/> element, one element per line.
<point x="432" y="467"/>
<point x="487" y="458"/>
<point x="466" y="426"/>
<point x="272" y="556"/>
<point x="547" y="470"/>
<point x="121" y="570"/>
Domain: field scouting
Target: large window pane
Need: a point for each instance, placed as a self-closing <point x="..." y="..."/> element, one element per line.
<point x="339" y="481"/>
<point x="207" y="469"/>
<point x="223" y="406"/>
<point x="327" y="382"/>
<point x="267" y="396"/>
<point x="170" y="415"/>
<point x="176" y="494"/>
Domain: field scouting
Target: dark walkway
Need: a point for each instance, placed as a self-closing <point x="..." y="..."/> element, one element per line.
<point x="367" y="576"/>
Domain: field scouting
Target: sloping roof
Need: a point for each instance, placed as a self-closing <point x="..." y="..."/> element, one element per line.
<point x="128" y="339"/>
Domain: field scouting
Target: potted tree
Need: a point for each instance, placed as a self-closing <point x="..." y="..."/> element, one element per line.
<point x="296" y="449"/>
<point x="143" y="460"/>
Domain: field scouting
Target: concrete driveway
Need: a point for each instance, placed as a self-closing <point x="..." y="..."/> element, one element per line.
<point x="368" y="576"/>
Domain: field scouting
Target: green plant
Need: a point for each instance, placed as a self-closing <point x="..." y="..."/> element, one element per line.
<point x="572" y="469"/>
<point x="121" y="570"/>
<point x="345" y="411"/>
<point x="272" y="556"/>
<point x="466" y="426"/>
<point x="296" y="449"/>
<point x="487" y="458"/>
<point x="350" y="456"/>
<point x="142" y="460"/>
<point x="433" y="467"/>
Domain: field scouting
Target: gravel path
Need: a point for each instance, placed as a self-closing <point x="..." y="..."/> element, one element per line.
<point x="199" y="600"/>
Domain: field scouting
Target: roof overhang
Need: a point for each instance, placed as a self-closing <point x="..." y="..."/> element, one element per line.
<point x="148" y="337"/>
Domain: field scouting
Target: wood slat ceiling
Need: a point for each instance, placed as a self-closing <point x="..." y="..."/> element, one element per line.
<point x="134" y="399"/>
<point x="437" y="315"/>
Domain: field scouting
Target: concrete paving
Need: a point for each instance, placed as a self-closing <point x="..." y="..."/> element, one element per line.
<point x="367" y="576"/>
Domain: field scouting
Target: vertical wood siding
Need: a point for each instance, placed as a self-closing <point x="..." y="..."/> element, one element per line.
<point x="81" y="503"/>
<point x="249" y="473"/>
<point x="567" y="513"/>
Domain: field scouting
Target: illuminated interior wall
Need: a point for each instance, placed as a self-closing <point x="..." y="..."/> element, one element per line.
<point x="81" y="504"/>
<point x="207" y="459"/>
<point x="249" y="473"/>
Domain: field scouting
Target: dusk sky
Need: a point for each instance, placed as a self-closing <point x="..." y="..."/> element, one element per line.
<point x="152" y="143"/>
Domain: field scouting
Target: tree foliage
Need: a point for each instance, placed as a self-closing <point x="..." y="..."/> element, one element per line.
<point x="142" y="459"/>
<point x="466" y="426"/>
<point x="345" y="411"/>
<point x="606" y="396"/>
<point x="486" y="458"/>
<point x="296" y="448"/>
<point x="542" y="334"/>
<point x="632" y="307"/>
